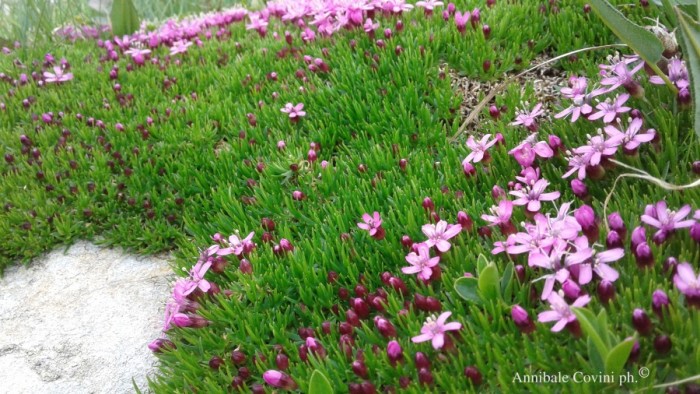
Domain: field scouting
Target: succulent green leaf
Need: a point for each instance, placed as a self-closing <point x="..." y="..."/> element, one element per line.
<point x="467" y="288"/>
<point x="124" y="18"/>
<point x="618" y="355"/>
<point x="319" y="383"/>
<point x="690" y="42"/>
<point x="488" y="282"/>
<point x="594" y="357"/>
<point x="640" y="40"/>
<point x="589" y="325"/>
<point x="481" y="263"/>
<point x="507" y="281"/>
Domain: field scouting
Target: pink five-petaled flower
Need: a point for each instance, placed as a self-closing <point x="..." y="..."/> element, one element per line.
<point x="561" y="312"/>
<point x="501" y="213"/>
<point x="479" y="149"/>
<point x="429" y="4"/>
<point x="197" y="274"/>
<point x="372" y="223"/>
<point x="528" y="119"/>
<point x="179" y="46"/>
<point x="533" y="195"/>
<point x="667" y="221"/>
<point x="370" y="26"/>
<point x="434" y="330"/>
<point x="588" y="261"/>
<point x="580" y="106"/>
<point x="461" y="20"/>
<point x="421" y="263"/>
<point x="57" y="76"/>
<point x="295" y="111"/>
<point x="439" y="234"/>
<point x="609" y="111"/>
<point x="631" y="137"/>
<point x="623" y="76"/>
<point x="529" y="148"/>
<point x="237" y="245"/>
<point x="688" y="283"/>
<point x="598" y="147"/>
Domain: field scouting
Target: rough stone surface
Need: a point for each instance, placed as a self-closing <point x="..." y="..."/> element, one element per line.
<point x="79" y="321"/>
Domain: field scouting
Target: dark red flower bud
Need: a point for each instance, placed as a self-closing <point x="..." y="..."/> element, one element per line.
<point x="398" y="285"/>
<point x="425" y="377"/>
<point x="662" y="344"/>
<point x="360" y="307"/>
<point x="422" y="361"/>
<point x="352" y="318"/>
<point x="641" y="322"/>
<point x="360" y="369"/>
<point x="238" y="357"/>
<point x="606" y="291"/>
<point x="473" y="374"/>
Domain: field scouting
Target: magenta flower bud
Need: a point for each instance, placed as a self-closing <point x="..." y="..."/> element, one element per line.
<point x="644" y="256"/>
<point x="245" y="266"/>
<point x="606" y="291"/>
<point x="298" y="195"/>
<point x="160" y="345"/>
<point x="696" y="167"/>
<point x="119" y="127"/>
<point x="311" y="156"/>
<point x="394" y="351"/>
<point x="469" y="170"/>
<point x="641" y="322"/>
<point x="613" y="240"/>
<point x="217" y="237"/>
<point x="398" y="285"/>
<point x="385" y="327"/>
<point x="585" y="216"/>
<point x="24" y="140"/>
<point x="445" y="15"/>
<point x="475" y="17"/>
<point x="282" y="361"/>
<point x="522" y="320"/>
<point x="182" y="320"/>
<point x="617" y="224"/>
<point x="279" y="380"/>
<point x="473" y="374"/>
<point x="638" y="237"/>
<point x="286" y="245"/>
<point x="425" y="377"/>
<point x="659" y="301"/>
<point x="360" y="369"/>
<point x="281" y="145"/>
<point x="500" y="140"/>
<point x="360" y="307"/>
<point x="494" y="112"/>
<point x="465" y="221"/>
<point x="695" y="232"/>
<point x="451" y="8"/>
<point x="662" y="344"/>
<point x="422" y="361"/>
<point x="428" y="204"/>
<point x="670" y="265"/>
<point x="498" y="193"/>
<point x="315" y="347"/>
<point x="571" y="289"/>
<point x="486" y="65"/>
<point x="406" y="241"/>
<point x="486" y="29"/>
<point x="555" y="143"/>
<point x="324" y="164"/>
<point x="387" y="33"/>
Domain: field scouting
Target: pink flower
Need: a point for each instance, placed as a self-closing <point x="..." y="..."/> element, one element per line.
<point x="429" y="4"/>
<point x="580" y="106"/>
<point x="623" y="76"/>
<point x="500" y="214"/>
<point x="561" y="312"/>
<point x="528" y="118"/>
<point x="279" y="379"/>
<point x="57" y="76"/>
<point x="667" y="221"/>
<point x="609" y="111"/>
<point x="294" y="111"/>
<point x="532" y="195"/>
<point x="237" y="245"/>
<point x="589" y="261"/>
<point x="370" y="26"/>
<point x="371" y="223"/>
<point x="631" y="137"/>
<point x="197" y="274"/>
<point x="434" y="330"/>
<point x="421" y="263"/>
<point x="578" y="164"/>
<point x="438" y="235"/>
<point x="479" y="149"/>
<point x="598" y="147"/>
<point x="686" y="282"/>
<point x="179" y="46"/>
<point x="677" y="71"/>
<point x="461" y="20"/>
<point x="527" y="150"/>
